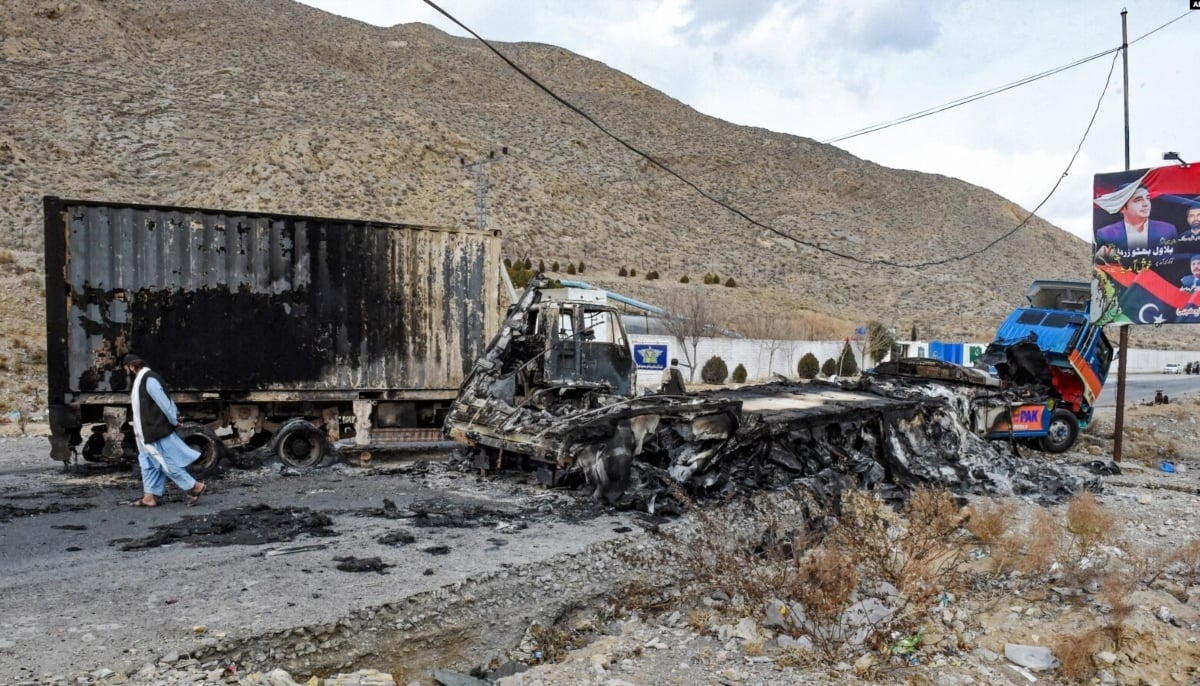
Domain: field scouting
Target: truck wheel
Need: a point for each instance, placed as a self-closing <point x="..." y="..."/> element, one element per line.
<point x="301" y="445"/>
<point x="1064" y="429"/>
<point x="212" y="450"/>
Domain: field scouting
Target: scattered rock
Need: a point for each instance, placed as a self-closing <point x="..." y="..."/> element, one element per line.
<point x="1037" y="658"/>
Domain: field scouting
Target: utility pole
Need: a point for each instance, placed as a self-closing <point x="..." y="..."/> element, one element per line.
<point x="481" y="184"/>
<point x="1119" y="421"/>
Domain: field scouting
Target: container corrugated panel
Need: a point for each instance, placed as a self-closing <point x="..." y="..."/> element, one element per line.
<point x="225" y="301"/>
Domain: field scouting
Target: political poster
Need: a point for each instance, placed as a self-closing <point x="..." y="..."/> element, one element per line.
<point x="1146" y="239"/>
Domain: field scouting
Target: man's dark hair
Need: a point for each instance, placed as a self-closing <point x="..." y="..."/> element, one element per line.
<point x="674" y="362"/>
<point x="132" y="358"/>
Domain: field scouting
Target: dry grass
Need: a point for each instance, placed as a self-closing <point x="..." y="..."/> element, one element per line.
<point x="991" y="520"/>
<point x="1074" y="652"/>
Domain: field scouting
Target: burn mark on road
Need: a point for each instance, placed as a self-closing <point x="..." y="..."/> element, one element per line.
<point x="8" y="512"/>
<point x="248" y="525"/>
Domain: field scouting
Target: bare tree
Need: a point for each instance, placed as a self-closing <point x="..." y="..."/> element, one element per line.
<point x="689" y="318"/>
<point x="770" y="332"/>
<point x="876" y="344"/>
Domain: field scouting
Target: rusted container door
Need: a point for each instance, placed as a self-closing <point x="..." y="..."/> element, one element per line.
<point x="225" y="301"/>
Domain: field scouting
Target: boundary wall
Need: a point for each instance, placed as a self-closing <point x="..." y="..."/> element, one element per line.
<point x="764" y="358"/>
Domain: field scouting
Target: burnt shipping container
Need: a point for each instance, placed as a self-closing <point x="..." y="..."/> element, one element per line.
<point x="256" y="319"/>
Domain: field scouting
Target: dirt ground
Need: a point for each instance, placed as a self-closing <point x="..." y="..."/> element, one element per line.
<point x="94" y="593"/>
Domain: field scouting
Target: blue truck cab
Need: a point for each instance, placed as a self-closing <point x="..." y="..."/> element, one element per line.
<point x="1052" y="363"/>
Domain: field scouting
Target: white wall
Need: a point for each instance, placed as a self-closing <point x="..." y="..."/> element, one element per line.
<point x="761" y="362"/>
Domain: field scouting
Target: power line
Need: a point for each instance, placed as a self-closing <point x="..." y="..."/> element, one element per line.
<point x="966" y="99"/>
<point x="816" y="246"/>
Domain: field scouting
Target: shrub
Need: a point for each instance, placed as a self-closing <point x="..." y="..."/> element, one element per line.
<point x="7" y="257"/>
<point x="847" y="365"/>
<point x="633" y="272"/>
<point x="554" y="267"/>
<point x="809" y="366"/>
<point x="570" y="267"/>
<point x="582" y="266"/>
<point x="829" y="367"/>
<point x="714" y="371"/>
<point x="651" y="275"/>
<point x="730" y="283"/>
<point x="739" y="374"/>
<point x="529" y="264"/>
<point x="622" y="271"/>
<point x="508" y="263"/>
<point x="684" y="279"/>
<point x="541" y="266"/>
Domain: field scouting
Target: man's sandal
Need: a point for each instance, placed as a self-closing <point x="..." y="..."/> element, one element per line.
<point x="194" y="497"/>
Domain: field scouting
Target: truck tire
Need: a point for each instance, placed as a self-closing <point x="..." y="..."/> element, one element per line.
<point x="212" y="450"/>
<point x="301" y="445"/>
<point x="1064" y="429"/>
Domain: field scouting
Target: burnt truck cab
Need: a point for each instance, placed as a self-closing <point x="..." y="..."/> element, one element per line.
<point x="559" y="351"/>
<point x="1054" y="362"/>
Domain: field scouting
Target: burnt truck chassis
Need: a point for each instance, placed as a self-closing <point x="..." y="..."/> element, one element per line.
<point x="887" y="432"/>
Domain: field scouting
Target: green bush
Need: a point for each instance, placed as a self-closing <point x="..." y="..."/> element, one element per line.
<point x="652" y="275"/>
<point x="507" y="262"/>
<point x="541" y="267"/>
<point x="529" y="264"/>
<point x="829" y="368"/>
<point x="554" y="267"/>
<point x="809" y="366"/>
<point x="739" y="374"/>
<point x="848" y="365"/>
<point x="622" y="271"/>
<point x="684" y="279"/>
<point x="570" y="267"/>
<point x="582" y="266"/>
<point x="730" y="283"/>
<point x="632" y="271"/>
<point x="714" y="371"/>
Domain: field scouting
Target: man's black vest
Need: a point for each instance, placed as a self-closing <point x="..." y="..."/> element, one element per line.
<point x="154" y="422"/>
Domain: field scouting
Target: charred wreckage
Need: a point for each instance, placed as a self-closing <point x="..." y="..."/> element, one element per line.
<point x="556" y="390"/>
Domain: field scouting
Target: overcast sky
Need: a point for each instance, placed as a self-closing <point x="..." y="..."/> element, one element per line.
<point x="824" y="68"/>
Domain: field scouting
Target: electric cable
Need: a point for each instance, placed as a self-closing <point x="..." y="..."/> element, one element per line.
<point x="991" y="91"/>
<point x="815" y="246"/>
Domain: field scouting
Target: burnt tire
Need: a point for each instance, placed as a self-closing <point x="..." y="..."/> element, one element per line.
<point x="301" y="445"/>
<point x="1064" y="429"/>
<point x="212" y="450"/>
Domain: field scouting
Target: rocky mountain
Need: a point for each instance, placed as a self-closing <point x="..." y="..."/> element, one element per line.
<point x="275" y="106"/>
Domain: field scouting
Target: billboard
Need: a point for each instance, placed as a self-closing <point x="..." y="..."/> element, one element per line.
<point x="1146" y="242"/>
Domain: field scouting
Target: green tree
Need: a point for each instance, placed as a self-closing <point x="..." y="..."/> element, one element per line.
<point x="541" y="266"/>
<point x="847" y="365"/>
<point x="914" y="333"/>
<point x="570" y="267"/>
<point x="809" y="366"/>
<point x="582" y="266"/>
<point x="829" y="367"/>
<point x="684" y="279"/>
<point x="529" y="264"/>
<point x="739" y="374"/>
<point x="554" y="267"/>
<point x="622" y="271"/>
<point x="730" y="283"/>
<point x="714" y="371"/>
<point x="633" y="271"/>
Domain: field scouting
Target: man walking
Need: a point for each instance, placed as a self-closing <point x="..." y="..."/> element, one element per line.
<point x="162" y="454"/>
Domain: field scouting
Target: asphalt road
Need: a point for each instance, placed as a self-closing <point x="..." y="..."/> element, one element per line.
<point x="72" y="599"/>
<point x="1141" y="388"/>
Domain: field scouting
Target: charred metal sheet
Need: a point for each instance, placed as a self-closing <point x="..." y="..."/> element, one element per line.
<point x="915" y="426"/>
<point x="226" y="301"/>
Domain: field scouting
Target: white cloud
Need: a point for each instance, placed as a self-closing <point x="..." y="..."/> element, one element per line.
<point x="820" y="68"/>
